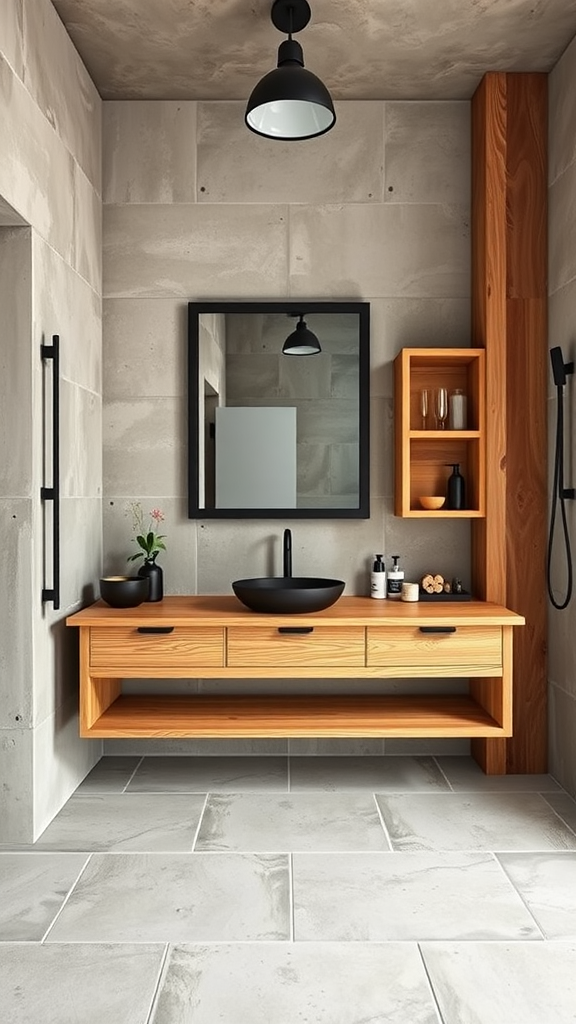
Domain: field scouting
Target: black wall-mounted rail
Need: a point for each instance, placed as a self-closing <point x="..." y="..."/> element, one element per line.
<point x="53" y="493"/>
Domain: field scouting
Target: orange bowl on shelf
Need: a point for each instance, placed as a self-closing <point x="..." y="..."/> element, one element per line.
<point x="431" y="502"/>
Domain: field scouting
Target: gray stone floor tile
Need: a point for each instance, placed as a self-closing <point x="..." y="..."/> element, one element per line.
<point x="295" y="821"/>
<point x="123" y="897"/>
<point x="324" y="983"/>
<point x="370" y="897"/>
<point x="473" y="821"/>
<point x="502" y="983"/>
<point x="142" y="822"/>
<point x="376" y="774"/>
<point x="547" y="884"/>
<point x="564" y="806"/>
<point x="204" y="774"/>
<point x="78" y="984"/>
<point x="110" y="775"/>
<point x="33" y="887"/>
<point x="463" y="773"/>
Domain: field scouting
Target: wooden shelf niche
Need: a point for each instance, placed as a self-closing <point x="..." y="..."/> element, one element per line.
<point x="423" y="456"/>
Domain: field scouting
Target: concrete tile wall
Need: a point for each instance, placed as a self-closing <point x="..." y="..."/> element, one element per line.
<point x="198" y="208"/>
<point x="50" y="274"/>
<point x="11" y="33"/>
<point x="61" y="87"/>
<point x="562" y="304"/>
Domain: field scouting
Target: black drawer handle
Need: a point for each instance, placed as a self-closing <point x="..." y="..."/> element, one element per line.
<point x="295" y="629"/>
<point x="437" y="629"/>
<point x="155" y="629"/>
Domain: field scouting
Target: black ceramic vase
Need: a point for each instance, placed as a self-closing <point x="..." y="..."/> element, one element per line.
<point x="155" y="576"/>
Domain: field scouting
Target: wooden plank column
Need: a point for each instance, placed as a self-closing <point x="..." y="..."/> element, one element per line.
<point x="509" y="312"/>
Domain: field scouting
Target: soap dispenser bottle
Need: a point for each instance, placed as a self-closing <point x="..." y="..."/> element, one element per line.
<point x="378" y="578"/>
<point x="395" y="580"/>
<point x="455" y="492"/>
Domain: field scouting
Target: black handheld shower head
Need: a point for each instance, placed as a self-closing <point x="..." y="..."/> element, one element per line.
<point x="559" y="367"/>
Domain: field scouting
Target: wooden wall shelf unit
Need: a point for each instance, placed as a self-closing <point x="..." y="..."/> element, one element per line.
<point x="422" y="455"/>
<point x="216" y="637"/>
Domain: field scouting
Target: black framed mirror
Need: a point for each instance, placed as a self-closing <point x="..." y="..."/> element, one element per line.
<point x="278" y="410"/>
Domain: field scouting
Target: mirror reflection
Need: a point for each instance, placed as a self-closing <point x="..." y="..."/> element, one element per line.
<point x="278" y="409"/>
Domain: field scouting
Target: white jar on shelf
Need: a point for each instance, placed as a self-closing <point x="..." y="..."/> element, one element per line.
<point x="457" y="410"/>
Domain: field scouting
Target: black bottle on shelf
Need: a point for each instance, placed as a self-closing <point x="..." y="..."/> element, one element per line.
<point x="456" y="489"/>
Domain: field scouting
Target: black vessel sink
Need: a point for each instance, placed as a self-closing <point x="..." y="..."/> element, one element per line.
<point x="288" y="595"/>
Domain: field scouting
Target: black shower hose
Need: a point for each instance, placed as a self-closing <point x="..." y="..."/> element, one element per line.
<point x="558" y="497"/>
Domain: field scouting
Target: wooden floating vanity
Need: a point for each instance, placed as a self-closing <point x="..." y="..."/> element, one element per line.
<point x="357" y="638"/>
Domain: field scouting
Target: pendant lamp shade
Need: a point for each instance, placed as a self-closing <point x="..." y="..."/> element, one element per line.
<point x="290" y="102"/>
<point x="301" y="342"/>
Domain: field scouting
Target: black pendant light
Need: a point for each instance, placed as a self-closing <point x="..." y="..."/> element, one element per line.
<point x="290" y="102"/>
<point x="301" y="342"/>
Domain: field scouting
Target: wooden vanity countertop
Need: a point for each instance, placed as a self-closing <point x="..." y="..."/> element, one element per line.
<point x="348" y="611"/>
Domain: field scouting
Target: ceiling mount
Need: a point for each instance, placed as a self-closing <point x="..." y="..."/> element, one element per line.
<point x="290" y="102"/>
<point x="290" y="15"/>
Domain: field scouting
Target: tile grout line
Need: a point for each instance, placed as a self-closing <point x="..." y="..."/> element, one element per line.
<point x="133" y="774"/>
<point x="197" y="832"/>
<point x="66" y="898"/>
<point x="441" y="1018"/>
<point x="288" y="773"/>
<point x="385" y="830"/>
<point x="291" y="895"/>
<point x="159" y="983"/>
<point x="443" y="773"/>
<point x="518" y="893"/>
<point x="558" y="815"/>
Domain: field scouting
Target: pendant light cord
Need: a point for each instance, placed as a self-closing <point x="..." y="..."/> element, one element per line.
<point x="558" y="495"/>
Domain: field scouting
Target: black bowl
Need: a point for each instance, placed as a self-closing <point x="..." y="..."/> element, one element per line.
<point x="124" y="591"/>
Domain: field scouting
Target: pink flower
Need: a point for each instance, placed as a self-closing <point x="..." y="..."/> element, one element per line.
<point x="149" y="542"/>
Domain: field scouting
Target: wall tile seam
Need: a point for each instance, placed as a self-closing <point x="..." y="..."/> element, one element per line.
<point x="48" y="121"/>
<point x="80" y="276"/>
<point x="82" y="387"/>
<point x="111" y="398"/>
<point x="287" y="295"/>
<point x="68" y="46"/>
<point x="69" y="262"/>
<point x="195" y="167"/>
<point x="108" y="399"/>
<point x="341" y="204"/>
<point x="562" y="688"/>
<point x="382" y="174"/>
<point x="107" y="496"/>
<point x="561" y="173"/>
<point x="66" y="262"/>
<point x="6" y="60"/>
<point x="552" y="291"/>
<point x="99" y="191"/>
<point x="67" y="703"/>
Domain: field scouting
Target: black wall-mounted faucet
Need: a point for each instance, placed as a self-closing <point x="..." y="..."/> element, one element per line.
<point x="287" y="550"/>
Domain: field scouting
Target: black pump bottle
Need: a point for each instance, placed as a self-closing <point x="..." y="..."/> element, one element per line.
<point x="455" y="491"/>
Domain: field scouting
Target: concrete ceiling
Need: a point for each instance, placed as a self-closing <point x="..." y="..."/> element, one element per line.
<point x="362" y="49"/>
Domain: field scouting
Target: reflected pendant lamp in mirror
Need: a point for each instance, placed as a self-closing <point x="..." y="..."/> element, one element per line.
<point x="302" y="342"/>
<point x="290" y="103"/>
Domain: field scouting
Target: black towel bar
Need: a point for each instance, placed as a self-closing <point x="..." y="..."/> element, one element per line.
<point x="53" y="493"/>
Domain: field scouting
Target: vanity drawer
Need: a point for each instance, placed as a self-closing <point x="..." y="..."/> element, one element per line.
<point x="466" y="650"/>
<point x="264" y="647"/>
<point x="126" y="648"/>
